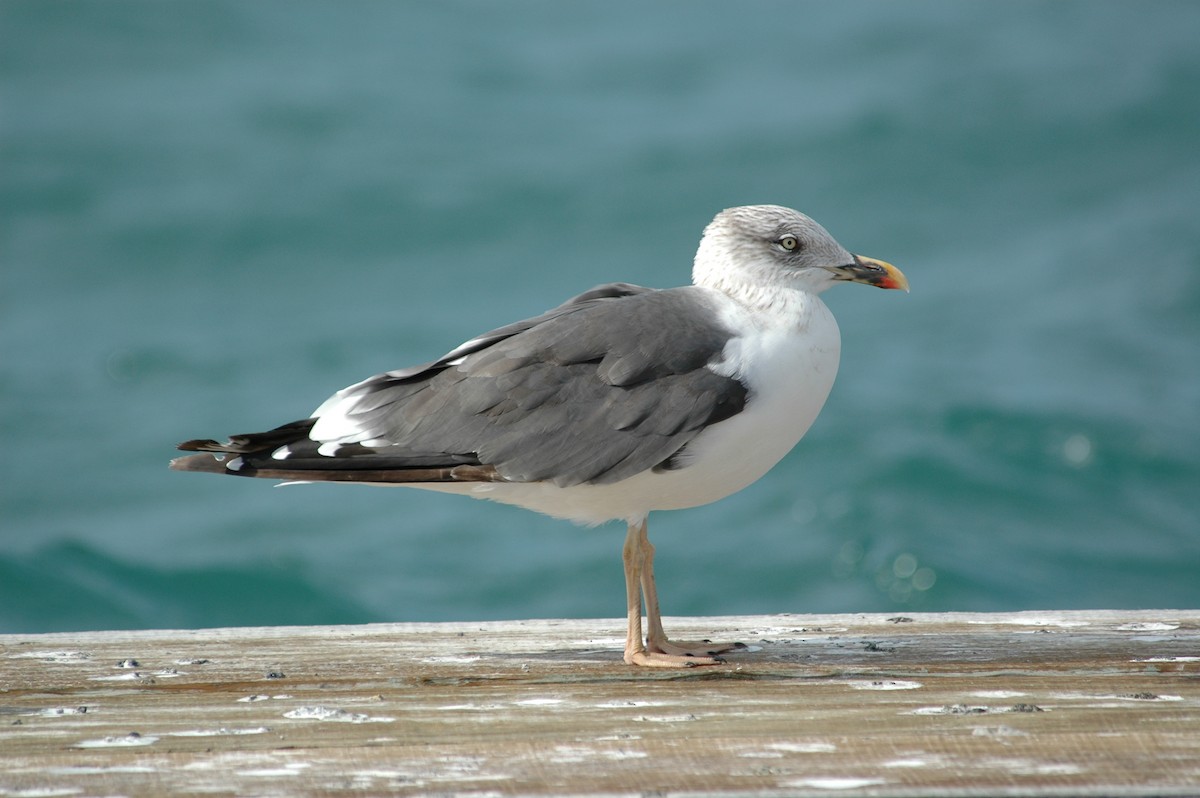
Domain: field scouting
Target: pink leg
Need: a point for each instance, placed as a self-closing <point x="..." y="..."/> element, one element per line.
<point x="658" y="651"/>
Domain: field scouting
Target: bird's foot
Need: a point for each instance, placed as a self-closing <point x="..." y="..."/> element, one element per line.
<point x="702" y="649"/>
<point x="656" y="659"/>
<point x="665" y="654"/>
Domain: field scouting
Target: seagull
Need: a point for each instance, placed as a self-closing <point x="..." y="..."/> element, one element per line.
<point x="620" y="401"/>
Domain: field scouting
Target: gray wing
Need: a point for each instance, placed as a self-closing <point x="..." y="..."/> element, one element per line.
<point x="611" y="383"/>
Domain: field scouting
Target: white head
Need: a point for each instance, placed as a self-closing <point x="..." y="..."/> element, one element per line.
<point x="754" y="250"/>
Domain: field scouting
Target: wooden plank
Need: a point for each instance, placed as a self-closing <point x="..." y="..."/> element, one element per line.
<point x="1053" y="703"/>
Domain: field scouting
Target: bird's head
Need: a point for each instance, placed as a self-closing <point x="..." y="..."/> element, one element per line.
<point x="762" y="247"/>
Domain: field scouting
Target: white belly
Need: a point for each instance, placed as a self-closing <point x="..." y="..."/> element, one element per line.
<point x="789" y="371"/>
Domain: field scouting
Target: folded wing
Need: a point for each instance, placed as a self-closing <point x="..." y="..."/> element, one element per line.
<point x="613" y="382"/>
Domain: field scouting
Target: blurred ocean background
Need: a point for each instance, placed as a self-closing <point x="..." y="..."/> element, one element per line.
<point x="215" y="214"/>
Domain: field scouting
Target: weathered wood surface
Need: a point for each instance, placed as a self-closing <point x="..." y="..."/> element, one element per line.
<point x="1051" y="703"/>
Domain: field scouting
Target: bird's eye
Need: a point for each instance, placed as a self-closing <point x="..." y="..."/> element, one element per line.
<point x="790" y="243"/>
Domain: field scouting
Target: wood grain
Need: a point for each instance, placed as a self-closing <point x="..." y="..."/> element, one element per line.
<point x="1050" y="703"/>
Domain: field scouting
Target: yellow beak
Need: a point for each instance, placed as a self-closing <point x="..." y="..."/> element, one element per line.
<point x="872" y="272"/>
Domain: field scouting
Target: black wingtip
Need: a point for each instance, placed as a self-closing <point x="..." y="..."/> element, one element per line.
<point x="200" y="445"/>
<point x="251" y="442"/>
<point x="198" y="462"/>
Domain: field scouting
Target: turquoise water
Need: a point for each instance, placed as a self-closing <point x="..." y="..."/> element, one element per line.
<point x="213" y="215"/>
